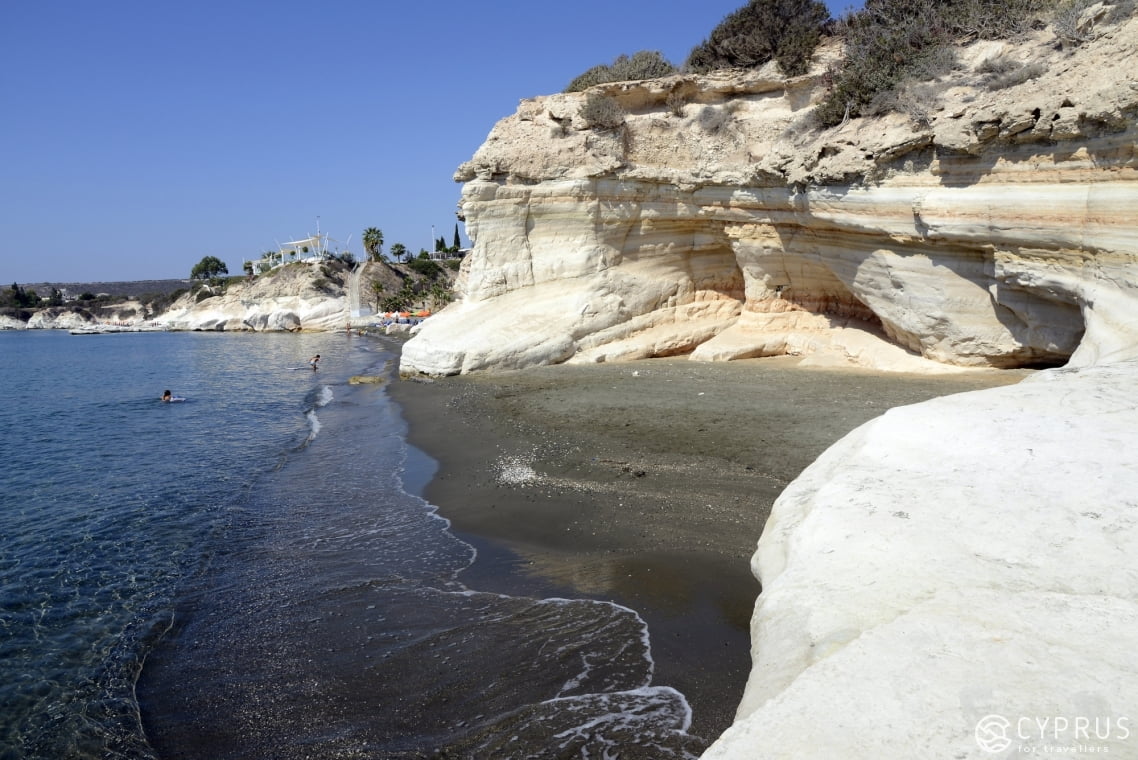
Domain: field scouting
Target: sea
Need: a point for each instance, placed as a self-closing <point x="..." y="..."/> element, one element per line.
<point x="252" y="572"/>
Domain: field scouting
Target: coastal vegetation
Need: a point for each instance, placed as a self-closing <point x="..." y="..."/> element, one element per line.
<point x="786" y="31"/>
<point x="209" y="268"/>
<point x="17" y="297"/>
<point x="373" y="244"/>
<point x="418" y="283"/>
<point x="890" y="48"/>
<point x="646" y="64"/>
<point x="602" y="111"/>
<point x="893" y="45"/>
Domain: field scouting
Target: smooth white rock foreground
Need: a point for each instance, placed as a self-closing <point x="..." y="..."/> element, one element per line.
<point x="967" y="561"/>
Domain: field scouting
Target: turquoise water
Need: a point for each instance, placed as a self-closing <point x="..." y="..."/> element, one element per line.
<point x="243" y="574"/>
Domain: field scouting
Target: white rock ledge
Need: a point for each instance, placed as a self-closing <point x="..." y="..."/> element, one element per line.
<point x="970" y="556"/>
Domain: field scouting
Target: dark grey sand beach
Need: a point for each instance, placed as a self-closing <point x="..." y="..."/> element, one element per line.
<point x="646" y="483"/>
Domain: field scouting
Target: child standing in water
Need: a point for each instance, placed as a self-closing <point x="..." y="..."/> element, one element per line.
<point x="314" y="361"/>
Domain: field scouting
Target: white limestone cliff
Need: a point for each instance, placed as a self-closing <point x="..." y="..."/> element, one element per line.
<point x="990" y="228"/>
<point x="958" y="578"/>
<point x="293" y="298"/>
<point x="968" y="557"/>
<point x="290" y="299"/>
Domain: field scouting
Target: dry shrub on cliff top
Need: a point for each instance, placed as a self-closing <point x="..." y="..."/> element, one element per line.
<point x="601" y="111"/>
<point x="890" y="41"/>
<point x="1003" y="71"/>
<point x="1078" y="21"/>
<point x="760" y="31"/>
<point x="646" y="64"/>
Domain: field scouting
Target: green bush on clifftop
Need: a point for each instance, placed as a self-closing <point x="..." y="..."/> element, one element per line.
<point x="891" y="41"/>
<point x="646" y="64"/>
<point x="763" y="30"/>
<point x="893" y="50"/>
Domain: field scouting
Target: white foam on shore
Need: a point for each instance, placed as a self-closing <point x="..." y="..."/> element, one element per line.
<point x="313" y="425"/>
<point x="324" y="397"/>
<point x="593" y="656"/>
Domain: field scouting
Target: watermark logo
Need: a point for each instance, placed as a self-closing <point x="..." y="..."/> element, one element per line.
<point x="992" y="733"/>
<point x="1052" y="734"/>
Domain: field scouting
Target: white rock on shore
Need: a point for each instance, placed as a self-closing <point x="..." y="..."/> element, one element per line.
<point x="956" y="579"/>
<point x="967" y="557"/>
<point x="231" y="312"/>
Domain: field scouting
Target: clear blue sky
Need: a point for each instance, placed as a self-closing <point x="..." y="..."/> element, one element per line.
<point x="140" y="136"/>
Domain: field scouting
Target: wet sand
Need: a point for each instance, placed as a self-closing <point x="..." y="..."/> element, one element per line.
<point x="646" y="483"/>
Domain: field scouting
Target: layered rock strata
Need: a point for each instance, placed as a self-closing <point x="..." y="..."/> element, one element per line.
<point x="982" y="228"/>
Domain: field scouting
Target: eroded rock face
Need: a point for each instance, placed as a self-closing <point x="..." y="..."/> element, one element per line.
<point x="286" y="301"/>
<point x="57" y="318"/>
<point x="964" y="560"/>
<point x="992" y="228"/>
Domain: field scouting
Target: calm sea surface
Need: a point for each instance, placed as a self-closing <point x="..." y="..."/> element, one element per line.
<point x="250" y="573"/>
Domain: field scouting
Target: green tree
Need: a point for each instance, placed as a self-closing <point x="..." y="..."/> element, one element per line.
<point x="209" y="268"/>
<point x="56" y="298"/>
<point x="377" y="289"/>
<point x="440" y="295"/>
<point x="398" y="252"/>
<point x="425" y="266"/>
<point x="11" y="296"/>
<point x="373" y="243"/>
<point x="21" y="298"/>
<point x="457" y="245"/>
<point x="401" y="300"/>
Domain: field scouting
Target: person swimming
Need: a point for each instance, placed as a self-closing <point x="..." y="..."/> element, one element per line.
<point x="167" y="396"/>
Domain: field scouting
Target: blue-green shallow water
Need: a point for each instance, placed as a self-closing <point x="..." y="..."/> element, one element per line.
<point x="244" y="575"/>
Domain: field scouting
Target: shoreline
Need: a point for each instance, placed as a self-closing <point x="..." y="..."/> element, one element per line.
<point x="646" y="484"/>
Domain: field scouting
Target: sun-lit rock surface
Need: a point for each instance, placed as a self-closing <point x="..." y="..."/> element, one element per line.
<point x="955" y="579"/>
<point x="969" y="556"/>
<point x="289" y="299"/>
<point x="998" y="228"/>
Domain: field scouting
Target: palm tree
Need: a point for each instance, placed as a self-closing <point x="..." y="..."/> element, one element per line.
<point x="399" y="251"/>
<point x="373" y="243"/>
<point x="440" y="295"/>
